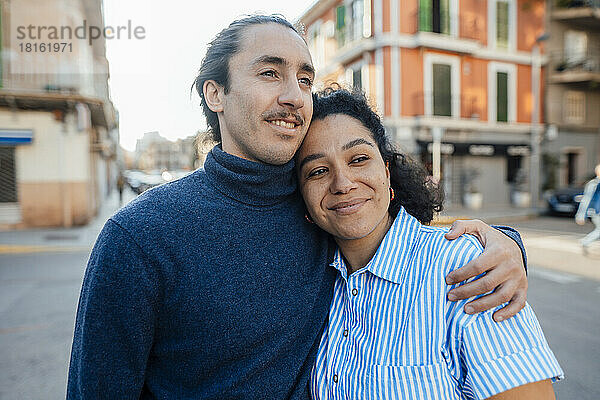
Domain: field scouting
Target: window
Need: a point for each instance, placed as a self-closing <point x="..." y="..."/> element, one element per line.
<point x="441" y="85"/>
<point x="357" y="19"/>
<point x="340" y="25"/>
<point x="502" y="92"/>
<point x="502" y="24"/>
<point x="442" y="90"/>
<point x="8" y="187"/>
<point x="357" y="76"/>
<point x="502" y="97"/>
<point x="434" y="16"/>
<point x="572" y="168"/>
<point x="357" y="79"/>
<point x="316" y="42"/>
<point x="575" y="47"/>
<point x="574" y="107"/>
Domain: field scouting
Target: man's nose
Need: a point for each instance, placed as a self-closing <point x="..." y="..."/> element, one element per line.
<point x="342" y="182"/>
<point x="291" y="94"/>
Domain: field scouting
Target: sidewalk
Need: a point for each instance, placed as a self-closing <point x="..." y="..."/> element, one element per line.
<point x="494" y="215"/>
<point x="80" y="238"/>
<point x="558" y="251"/>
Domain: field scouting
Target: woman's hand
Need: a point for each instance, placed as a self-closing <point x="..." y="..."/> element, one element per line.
<point x="502" y="262"/>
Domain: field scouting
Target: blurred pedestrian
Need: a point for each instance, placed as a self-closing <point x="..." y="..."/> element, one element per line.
<point x="590" y="205"/>
<point x="120" y="187"/>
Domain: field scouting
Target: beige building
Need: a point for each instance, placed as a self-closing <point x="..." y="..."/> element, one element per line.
<point x="154" y="152"/>
<point x="573" y="92"/>
<point x="58" y="126"/>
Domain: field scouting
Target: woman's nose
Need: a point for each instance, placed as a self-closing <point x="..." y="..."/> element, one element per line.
<point x="342" y="183"/>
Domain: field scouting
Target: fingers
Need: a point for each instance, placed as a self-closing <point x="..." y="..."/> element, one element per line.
<point x="457" y="229"/>
<point x="503" y="294"/>
<point x="475" y="267"/>
<point x="485" y="284"/>
<point x="471" y="226"/>
<point x="516" y="304"/>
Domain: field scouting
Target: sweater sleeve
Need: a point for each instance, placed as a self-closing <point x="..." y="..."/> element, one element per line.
<point x="514" y="235"/>
<point x="115" y="320"/>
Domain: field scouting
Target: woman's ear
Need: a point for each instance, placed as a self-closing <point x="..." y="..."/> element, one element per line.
<point x="213" y="95"/>
<point x="387" y="172"/>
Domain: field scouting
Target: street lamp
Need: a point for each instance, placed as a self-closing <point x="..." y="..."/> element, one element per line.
<point x="536" y="66"/>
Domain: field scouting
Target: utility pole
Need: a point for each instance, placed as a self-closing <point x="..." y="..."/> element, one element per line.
<point x="536" y="129"/>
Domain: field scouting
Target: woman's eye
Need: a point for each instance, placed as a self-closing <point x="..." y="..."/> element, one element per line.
<point x="317" y="172"/>
<point x="359" y="159"/>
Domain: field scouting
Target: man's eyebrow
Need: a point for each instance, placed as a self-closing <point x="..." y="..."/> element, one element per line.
<point x="276" y="60"/>
<point x="266" y="59"/>
<point x="309" y="158"/>
<point x="356" y="142"/>
<point x="309" y="69"/>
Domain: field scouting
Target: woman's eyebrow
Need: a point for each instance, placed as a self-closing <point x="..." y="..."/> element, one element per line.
<point x="356" y="142"/>
<point x="309" y="158"/>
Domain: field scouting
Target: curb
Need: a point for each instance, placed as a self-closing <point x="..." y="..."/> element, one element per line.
<point x="443" y="220"/>
<point x="28" y="249"/>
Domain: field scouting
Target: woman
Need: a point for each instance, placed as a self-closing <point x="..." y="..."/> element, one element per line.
<point x="392" y="333"/>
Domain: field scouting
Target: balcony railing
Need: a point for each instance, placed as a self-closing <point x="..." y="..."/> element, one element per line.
<point x="570" y="66"/>
<point x="577" y="3"/>
<point x="470" y="26"/>
<point x="443" y="105"/>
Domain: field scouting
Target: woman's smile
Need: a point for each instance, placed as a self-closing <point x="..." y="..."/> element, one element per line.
<point x="348" y="207"/>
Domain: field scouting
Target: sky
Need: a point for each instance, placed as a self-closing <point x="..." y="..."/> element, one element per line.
<point x="150" y="78"/>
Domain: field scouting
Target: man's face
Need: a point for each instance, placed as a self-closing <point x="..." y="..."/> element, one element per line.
<point x="268" y="108"/>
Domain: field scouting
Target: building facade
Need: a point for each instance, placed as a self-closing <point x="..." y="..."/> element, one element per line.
<point x="156" y="153"/>
<point x="456" y="82"/>
<point x="58" y="127"/>
<point x="573" y="93"/>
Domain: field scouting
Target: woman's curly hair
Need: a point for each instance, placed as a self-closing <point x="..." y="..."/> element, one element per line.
<point x="413" y="189"/>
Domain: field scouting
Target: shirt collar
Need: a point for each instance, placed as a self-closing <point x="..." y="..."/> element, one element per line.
<point x="394" y="252"/>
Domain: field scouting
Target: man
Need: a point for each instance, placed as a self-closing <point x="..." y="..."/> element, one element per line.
<point x="590" y="203"/>
<point x="214" y="286"/>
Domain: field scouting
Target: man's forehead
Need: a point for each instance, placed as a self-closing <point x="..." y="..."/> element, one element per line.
<point x="275" y="40"/>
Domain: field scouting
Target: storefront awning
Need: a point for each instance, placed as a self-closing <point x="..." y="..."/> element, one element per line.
<point x="13" y="137"/>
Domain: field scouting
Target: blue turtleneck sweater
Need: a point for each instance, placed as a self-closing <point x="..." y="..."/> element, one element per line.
<point x="210" y="287"/>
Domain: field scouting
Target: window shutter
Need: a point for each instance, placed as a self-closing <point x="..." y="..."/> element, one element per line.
<point x="442" y="92"/>
<point x="502" y="24"/>
<point x="502" y="97"/>
<point x="425" y="17"/>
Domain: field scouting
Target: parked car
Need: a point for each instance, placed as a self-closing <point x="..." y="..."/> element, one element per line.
<point x="564" y="201"/>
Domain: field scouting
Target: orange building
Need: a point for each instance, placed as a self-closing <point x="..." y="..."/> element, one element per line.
<point x="458" y="71"/>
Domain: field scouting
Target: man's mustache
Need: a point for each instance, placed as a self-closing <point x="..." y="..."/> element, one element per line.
<point x="272" y="115"/>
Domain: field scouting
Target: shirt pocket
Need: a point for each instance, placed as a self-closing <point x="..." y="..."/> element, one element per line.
<point x="411" y="382"/>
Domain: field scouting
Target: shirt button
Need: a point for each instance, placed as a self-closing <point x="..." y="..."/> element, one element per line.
<point x="354" y="292"/>
<point x="335" y="378"/>
<point x="345" y="332"/>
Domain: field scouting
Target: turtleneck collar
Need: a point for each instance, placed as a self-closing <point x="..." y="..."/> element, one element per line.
<point x="249" y="182"/>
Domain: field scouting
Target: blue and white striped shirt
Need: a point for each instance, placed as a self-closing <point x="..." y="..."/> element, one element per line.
<point x="392" y="333"/>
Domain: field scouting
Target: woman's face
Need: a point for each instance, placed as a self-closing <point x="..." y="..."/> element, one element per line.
<point x="343" y="178"/>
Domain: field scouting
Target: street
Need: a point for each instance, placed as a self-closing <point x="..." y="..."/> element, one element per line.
<point x="39" y="292"/>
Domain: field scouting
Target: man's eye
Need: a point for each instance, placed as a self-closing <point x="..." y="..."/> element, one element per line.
<point x="317" y="172"/>
<point x="306" y="81"/>
<point x="269" y="73"/>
